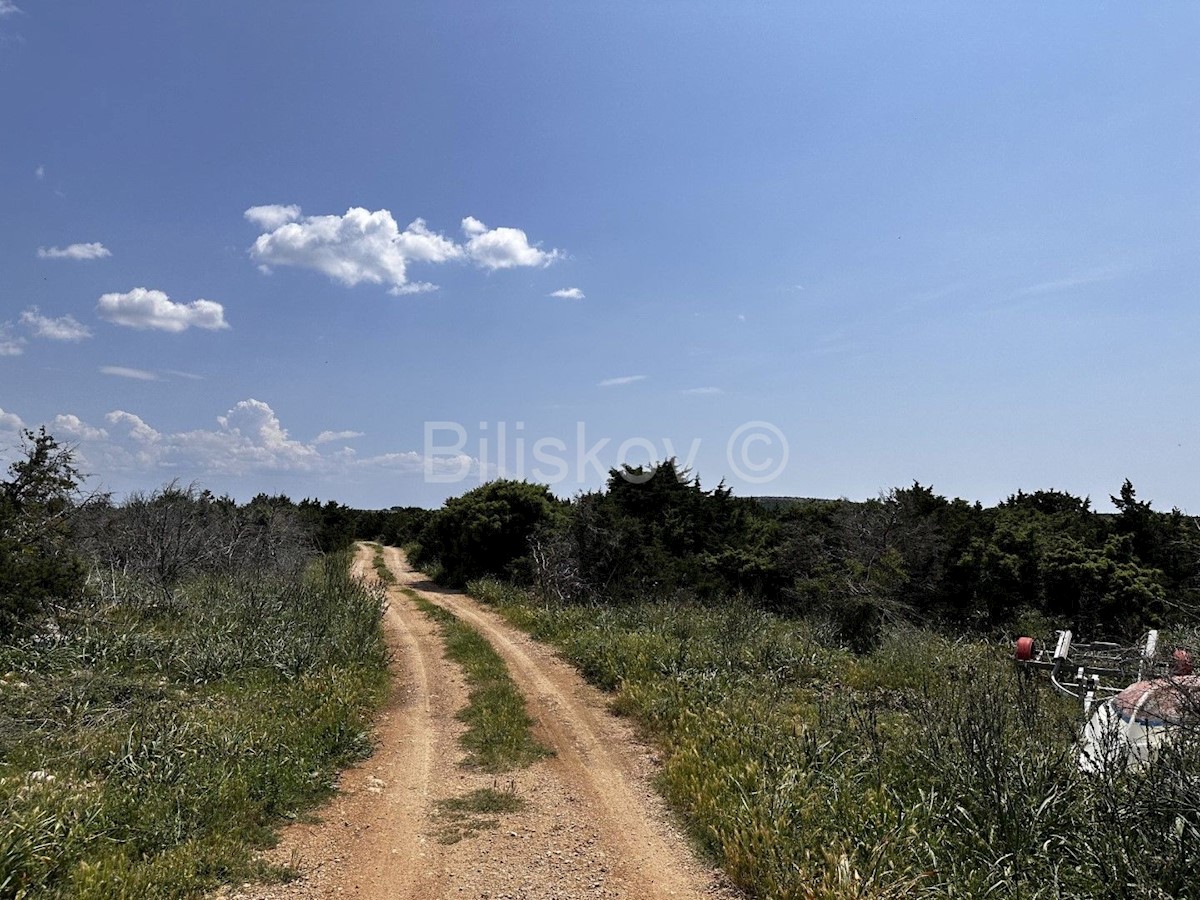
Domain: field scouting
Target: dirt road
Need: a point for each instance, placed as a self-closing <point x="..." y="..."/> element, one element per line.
<point x="591" y="825"/>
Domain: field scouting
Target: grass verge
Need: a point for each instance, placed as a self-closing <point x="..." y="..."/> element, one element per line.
<point x="146" y="749"/>
<point x="498" y="738"/>
<point x="382" y="572"/>
<point x="928" y="768"/>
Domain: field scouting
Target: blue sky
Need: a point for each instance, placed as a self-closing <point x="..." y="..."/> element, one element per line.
<point x="310" y="248"/>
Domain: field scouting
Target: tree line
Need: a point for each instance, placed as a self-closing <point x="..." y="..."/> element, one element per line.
<point x="1034" y="561"/>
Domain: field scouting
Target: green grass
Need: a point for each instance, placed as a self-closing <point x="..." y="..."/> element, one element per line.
<point x="145" y="751"/>
<point x="381" y="568"/>
<point x="928" y="768"/>
<point x="498" y="737"/>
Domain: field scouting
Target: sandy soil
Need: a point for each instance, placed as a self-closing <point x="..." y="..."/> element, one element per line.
<point x="591" y="825"/>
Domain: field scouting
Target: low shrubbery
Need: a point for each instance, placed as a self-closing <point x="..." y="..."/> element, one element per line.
<point x="927" y="767"/>
<point x="147" y="743"/>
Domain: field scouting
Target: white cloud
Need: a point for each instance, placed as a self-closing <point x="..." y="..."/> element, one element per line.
<point x="413" y="287"/>
<point x="7" y="8"/>
<point x="503" y="248"/>
<point x="273" y="215"/>
<point x="148" y="309"/>
<point x="568" y="293"/>
<point x="93" y="250"/>
<point x="64" y="328"/>
<point x="248" y="440"/>
<point x="368" y="246"/>
<point x="359" y="246"/>
<point x="191" y="376"/>
<point x="126" y="372"/>
<point x="412" y="463"/>
<point x="40" y="172"/>
<point x="326" y="437"/>
<point x="75" y="427"/>
<point x="623" y="379"/>
<point x="702" y="391"/>
<point x="10" y="344"/>
<point x="137" y="429"/>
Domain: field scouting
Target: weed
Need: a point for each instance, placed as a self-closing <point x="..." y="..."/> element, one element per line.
<point x="926" y="768"/>
<point x="145" y="749"/>
<point x="498" y="738"/>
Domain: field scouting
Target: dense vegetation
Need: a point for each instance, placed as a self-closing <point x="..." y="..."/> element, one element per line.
<point x="836" y="716"/>
<point x="907" y="557"/>
<point x="177" y="673"/>
<point x="927" y="767"/>
<point x="179" y="670"/>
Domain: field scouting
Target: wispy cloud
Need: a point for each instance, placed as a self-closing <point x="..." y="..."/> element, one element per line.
<point x="622" y="379"/>
<point x="702" y="391"/>
<point x="153" y="310"/>
<point x="63" y="328"/>
<point x="126" y="372"/>
<point x="1068" y="282"/>
<point x="40" y="172"/>
<point x="568" y="293"/>
<point x="326" y="437"/>
<point x="10" y="344"/>
<point x="369" y="246"/>
<point x="93" y="250"/>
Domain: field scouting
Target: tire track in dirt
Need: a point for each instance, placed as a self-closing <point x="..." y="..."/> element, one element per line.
<point x="372" y="839"/>
<point x="601" y="825"/>
<point x="591" y="826"/>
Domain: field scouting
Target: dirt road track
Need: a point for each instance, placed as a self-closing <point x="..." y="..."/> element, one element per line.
<point x="592" y="827"/>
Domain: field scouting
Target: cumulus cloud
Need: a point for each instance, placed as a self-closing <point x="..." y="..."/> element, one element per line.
<point x="568" y="294"/>
<point x="249" y="438"/>
<point x="94" y="250"/>
<point x="359" y="246"/>
<point x="369" y="246"/>
<point x="137" y="429"/>
<point x="623" y="379"/>
<point x="149" y="309"/>
<point x="63" y="328"/>
<point x="326" y="437"/>
<point x="273" y="215"/>
<point x="126" y="372"/>
<point x="75" y="427"/>
<point x="503" y="248"/>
